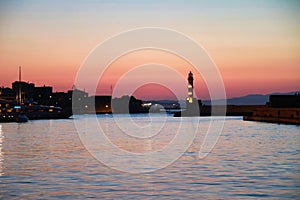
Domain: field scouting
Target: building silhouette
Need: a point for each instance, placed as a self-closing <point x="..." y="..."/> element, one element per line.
<point x="279" y="109"/>
<point x="76" y="100"/>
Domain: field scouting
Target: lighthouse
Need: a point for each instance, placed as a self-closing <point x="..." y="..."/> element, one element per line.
<point x="190" y="96"/>
<point x="193" y="105"/>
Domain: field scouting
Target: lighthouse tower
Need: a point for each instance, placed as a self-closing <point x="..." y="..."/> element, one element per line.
<point x="190" y="96"/>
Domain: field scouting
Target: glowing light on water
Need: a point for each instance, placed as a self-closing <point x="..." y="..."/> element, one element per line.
<point x="1" y="154"/>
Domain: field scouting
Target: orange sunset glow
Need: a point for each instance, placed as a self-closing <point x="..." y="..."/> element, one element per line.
<point x="255" y="45"/>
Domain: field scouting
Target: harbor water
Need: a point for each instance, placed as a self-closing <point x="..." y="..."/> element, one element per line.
<point x="45" y="159"/>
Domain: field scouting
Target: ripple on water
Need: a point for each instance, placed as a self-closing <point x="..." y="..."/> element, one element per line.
<point x="46" y="159"/>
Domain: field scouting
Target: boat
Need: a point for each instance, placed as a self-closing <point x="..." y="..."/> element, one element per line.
<point x="34" y="112"/>
<point x="13" y="116"/>
<point x="7" y="117"/>
<point x="10" y="111"/>
<point x="21" y="118"/>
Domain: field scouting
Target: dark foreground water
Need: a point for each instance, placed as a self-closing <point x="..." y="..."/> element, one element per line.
<point x="46" y="160"/>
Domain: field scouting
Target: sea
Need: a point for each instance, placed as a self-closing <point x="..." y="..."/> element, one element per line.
<point x="52" y="159"/>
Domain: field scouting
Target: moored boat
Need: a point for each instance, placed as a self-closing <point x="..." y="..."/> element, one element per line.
<point x="13" y="117"/>
<point x="11" y="112"/>
<point x="21" y="118"/>
<point x="35" y="112"/>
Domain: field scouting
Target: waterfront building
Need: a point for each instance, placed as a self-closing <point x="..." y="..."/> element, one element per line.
<point x="279" y="109"/>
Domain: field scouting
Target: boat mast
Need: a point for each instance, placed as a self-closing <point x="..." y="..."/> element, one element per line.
<point x="20" y="91"/>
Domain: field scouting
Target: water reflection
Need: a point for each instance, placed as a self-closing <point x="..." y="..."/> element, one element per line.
<point x="1" y="153"/>
<point x="46" y="159"/>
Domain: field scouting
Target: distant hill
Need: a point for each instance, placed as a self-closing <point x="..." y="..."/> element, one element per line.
<point x="252" y="99"/>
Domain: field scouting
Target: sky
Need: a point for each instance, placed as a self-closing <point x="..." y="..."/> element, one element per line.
<point x="254" y="44"/>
